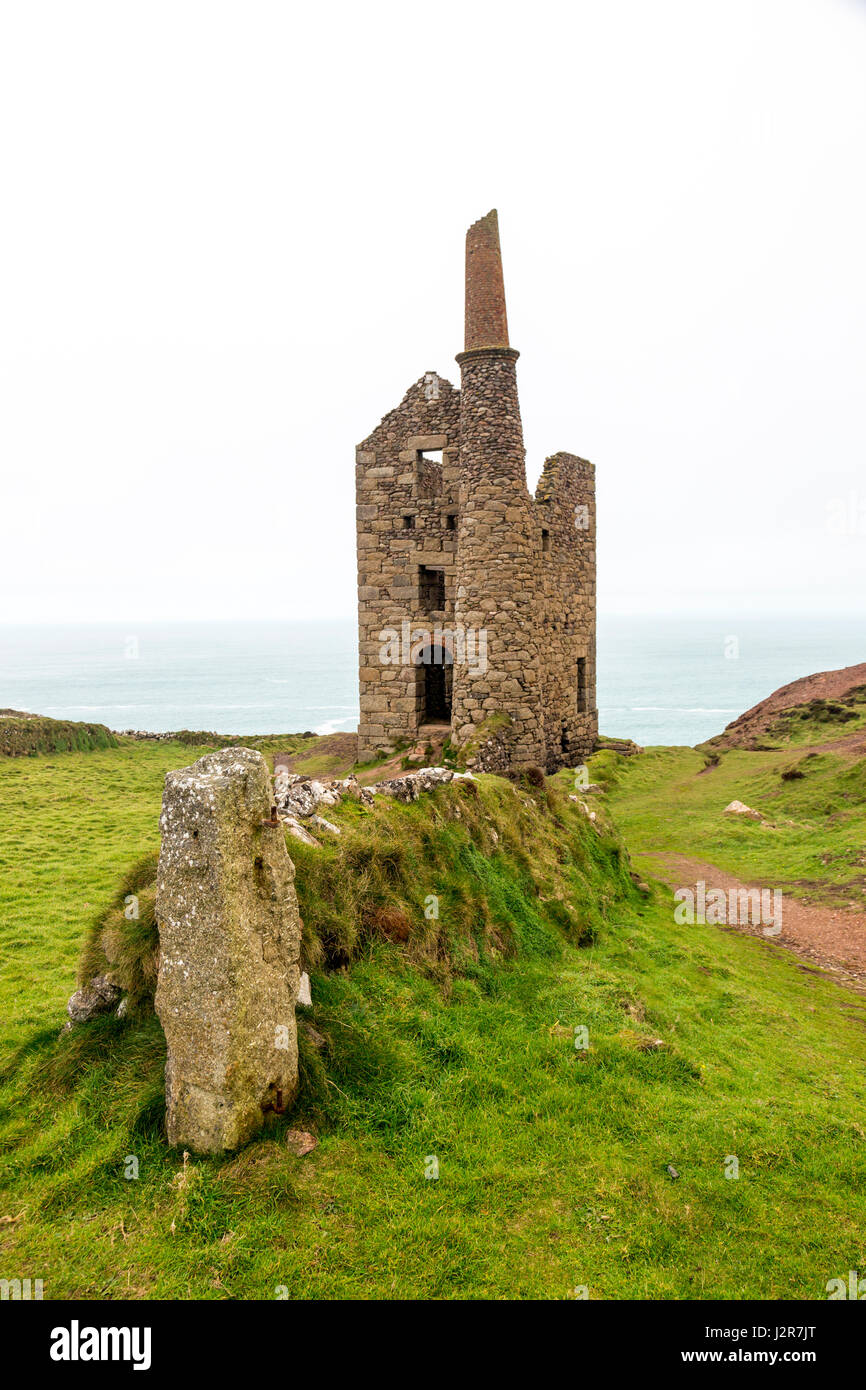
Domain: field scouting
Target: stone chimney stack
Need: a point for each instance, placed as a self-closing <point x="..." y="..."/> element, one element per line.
<point x="499" y="539"/>
<point x="486" y="320"/>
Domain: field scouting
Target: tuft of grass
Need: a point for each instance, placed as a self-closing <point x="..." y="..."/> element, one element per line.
<point x="605" y="766"/>
<point x="123" y="941"/>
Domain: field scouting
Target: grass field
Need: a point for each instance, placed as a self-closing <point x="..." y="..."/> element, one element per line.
<point x="814" y="845"/>
<point x="552" y="1160"/>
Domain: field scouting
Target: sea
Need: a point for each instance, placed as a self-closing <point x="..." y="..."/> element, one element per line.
<point x="668" y="680"/>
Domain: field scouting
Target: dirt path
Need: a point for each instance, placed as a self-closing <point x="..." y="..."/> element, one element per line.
<point x="853" y="744"/>
<point x="833" y="939"/>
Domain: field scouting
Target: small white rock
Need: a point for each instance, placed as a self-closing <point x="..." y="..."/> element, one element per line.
<point x="739" y="808"/>
<point x="323" y="824"/>
<point x="300" y="833"/>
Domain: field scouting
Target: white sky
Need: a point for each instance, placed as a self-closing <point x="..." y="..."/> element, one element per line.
<point x="232" y="235"/>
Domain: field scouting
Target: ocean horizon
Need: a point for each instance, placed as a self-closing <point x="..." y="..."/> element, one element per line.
<point x="660" y="681"/>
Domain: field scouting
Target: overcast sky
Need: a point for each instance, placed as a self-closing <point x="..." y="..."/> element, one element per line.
<point x="232" y="235"/>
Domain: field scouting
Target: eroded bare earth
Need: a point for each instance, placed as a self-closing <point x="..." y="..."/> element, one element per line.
<point x="832" y="938"/>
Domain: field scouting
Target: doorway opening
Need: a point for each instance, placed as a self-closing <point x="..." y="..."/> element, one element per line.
<point x="435" y="672"/>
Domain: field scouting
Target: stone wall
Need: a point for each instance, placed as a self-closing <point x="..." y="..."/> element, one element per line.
<point x="498" y="563"/>
<point x="407" y="514"/>
<point x="565" y="500"/>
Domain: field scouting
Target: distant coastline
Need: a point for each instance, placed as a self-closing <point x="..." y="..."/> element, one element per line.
<point x="665" y="681"/>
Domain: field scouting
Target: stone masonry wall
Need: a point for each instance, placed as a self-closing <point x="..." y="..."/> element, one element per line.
<point x="565" y="501"/>
<point x="407" y="515"/>
<point x="498" y="565"/>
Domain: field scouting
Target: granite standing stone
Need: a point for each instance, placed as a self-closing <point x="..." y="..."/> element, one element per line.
<point x="229" y="945"/>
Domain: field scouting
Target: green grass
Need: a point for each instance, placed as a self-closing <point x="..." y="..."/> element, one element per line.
<point x="814" y="845"/>
<point x="456" y="1043"/>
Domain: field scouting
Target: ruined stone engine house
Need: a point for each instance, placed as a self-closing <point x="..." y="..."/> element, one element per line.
<point x="476" y="602"/>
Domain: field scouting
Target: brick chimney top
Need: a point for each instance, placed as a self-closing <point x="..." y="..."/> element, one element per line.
<point x="486" y="322"/>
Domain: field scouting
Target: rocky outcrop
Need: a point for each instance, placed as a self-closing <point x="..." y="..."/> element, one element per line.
<point x="298" y="798"/>
<point x="626" y="746"/>
<point x="229" y="944"/>
<point x="410" y="787"/>
<point x="825" y="685"/>
<point x="100" y="996"/>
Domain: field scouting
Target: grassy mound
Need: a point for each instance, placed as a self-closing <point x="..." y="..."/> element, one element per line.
<point x="448" y="877"/>
<point x="26" y="735"/>
<point x="202" y="738"/>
